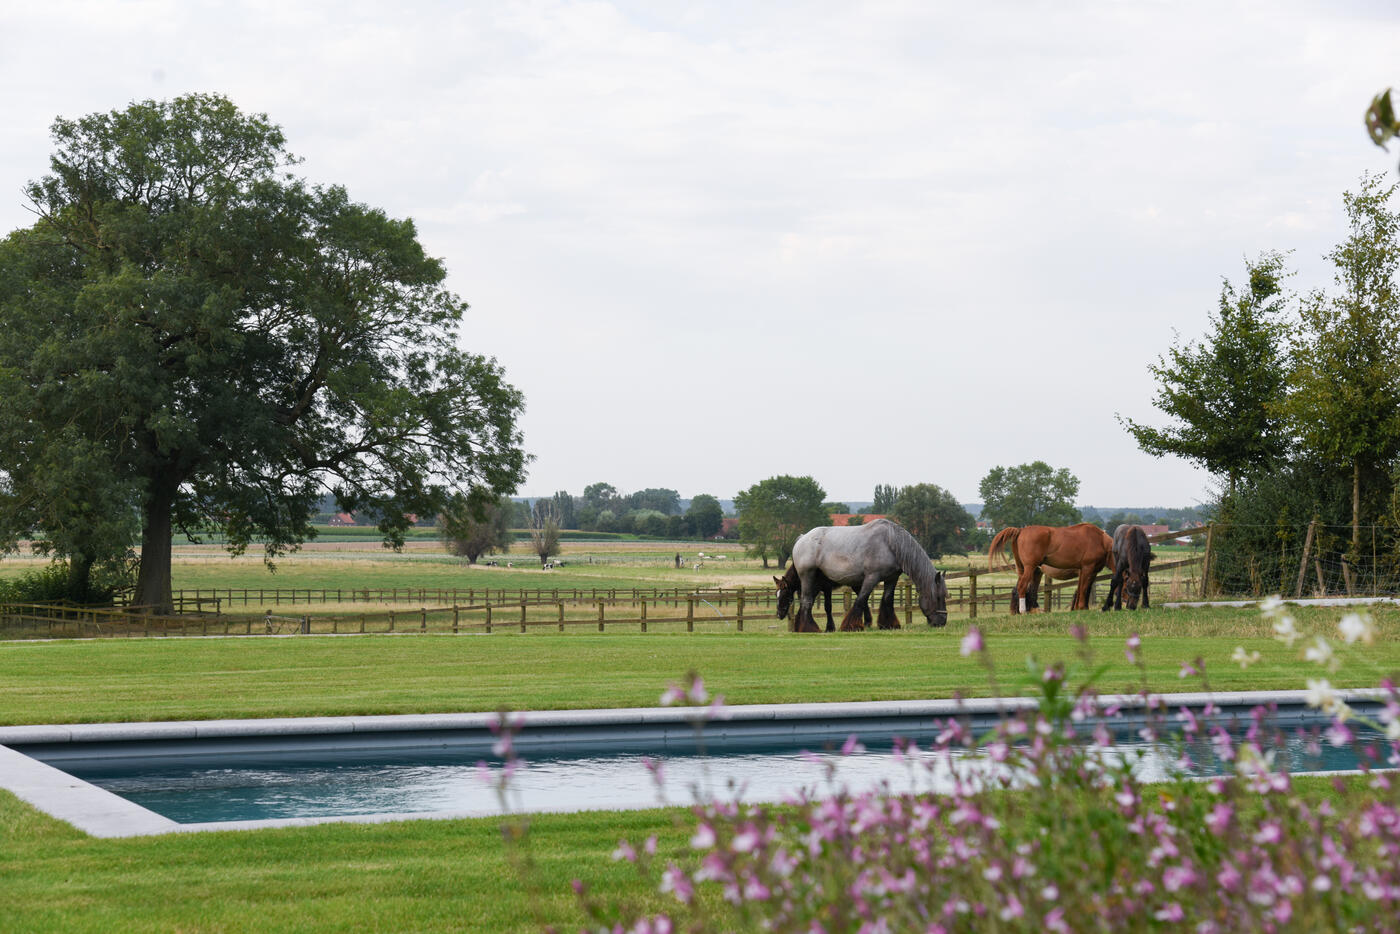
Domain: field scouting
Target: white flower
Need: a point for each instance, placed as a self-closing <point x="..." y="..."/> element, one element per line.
<point x="1322" y="696"/>
<point x="1392" y="731"/>
<point x="1271" y="605"/>
<point x="1355" y="626"/>
<point x="1245" y="659"/>
<point x="1320" y="651"/>
<point x="1285" y="631"/>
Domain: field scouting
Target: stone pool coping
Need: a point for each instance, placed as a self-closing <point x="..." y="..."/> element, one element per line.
<point x="101" y="813"/>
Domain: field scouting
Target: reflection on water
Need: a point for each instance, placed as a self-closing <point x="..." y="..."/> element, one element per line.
<point x="442" y="782"/>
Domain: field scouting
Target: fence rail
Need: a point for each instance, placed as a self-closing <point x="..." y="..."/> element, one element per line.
<point x="637" y="609"/>
<point x="216" y="611"/>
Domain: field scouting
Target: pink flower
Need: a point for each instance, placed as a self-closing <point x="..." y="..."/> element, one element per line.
<point x="1175" y="878"/>
<point x="1131" y="646"/>
<point x="1170" y="912"/>
<point x="1219" y="818"/>
<point x="972" y="643"/>
<point x="676" y="882"/>
<point x="704" y="837"/>
<point x="1012" y="909"/>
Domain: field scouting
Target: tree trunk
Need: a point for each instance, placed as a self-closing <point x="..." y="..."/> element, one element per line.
<point x="1355" y="508"/>
<point x="79" y="578"/>
<point x="153" y="581"/>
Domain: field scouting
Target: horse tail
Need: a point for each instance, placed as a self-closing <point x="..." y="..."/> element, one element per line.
<point x="1005" y="539"/>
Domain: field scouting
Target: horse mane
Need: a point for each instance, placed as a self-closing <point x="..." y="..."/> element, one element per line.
<point x="912" y="558"/>
<point x="1003" y="540"/>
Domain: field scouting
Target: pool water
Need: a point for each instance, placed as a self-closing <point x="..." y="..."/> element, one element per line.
<point x="438" y="781"/>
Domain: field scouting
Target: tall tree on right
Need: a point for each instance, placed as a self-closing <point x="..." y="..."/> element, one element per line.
<point x="1225" y="394"/>
<point x="1029" y="494"/>
<point x="1344" y="403"/>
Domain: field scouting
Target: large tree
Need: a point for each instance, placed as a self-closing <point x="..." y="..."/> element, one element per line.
<point x="666" y="502"/>
<point x="933" y="516"/>
<point x="221" y="343"/>
<point x="470" y="529"/>
<point x="1345" y="382"/>
<point x="1225" y="394"/>
<point x="1029" y="494"/>
<point x="774" y="512"/>
<point x="705" y="516"/>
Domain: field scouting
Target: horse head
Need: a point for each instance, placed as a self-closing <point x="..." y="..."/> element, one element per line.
<point x="1135" y="583"/>
<point x="784" y="597"/>
<point x="934" y="605"/>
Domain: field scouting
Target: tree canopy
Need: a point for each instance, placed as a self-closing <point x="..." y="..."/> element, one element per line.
<point x="705" y="515"/>
<point x="212" y="343"/>
<point x="470" y="530"/>
<point x="1029" y="494"/>
<point x="933" y="516"/>
<point x="1225" y="394"/>
<point x="774" y="512"/>
<point x="1345" y="383"/>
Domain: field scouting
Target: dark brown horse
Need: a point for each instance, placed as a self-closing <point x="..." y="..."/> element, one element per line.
<point x="1085" y="548"/>
<point x="1131" y="556"/>
<point x="790" y="585"/>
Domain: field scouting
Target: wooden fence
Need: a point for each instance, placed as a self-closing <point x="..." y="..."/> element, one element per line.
<point x="209" y="612"/>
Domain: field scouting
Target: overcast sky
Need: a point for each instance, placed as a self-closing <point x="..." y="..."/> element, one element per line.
<point x="878" y="242"/>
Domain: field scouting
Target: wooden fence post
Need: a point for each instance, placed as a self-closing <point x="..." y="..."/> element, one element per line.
<point x="1307" y="552"/>
<point x="739" y="609"/>
<point x="644" y="616"/>
<point x="689" y="614"/>
<point x="561" y="615"/>
<point x="488" y="617"/>
<point x="456" y="618"/>
<point x="423" y="619"/>
<point x="972" y="594"/>
<point x="1205" y="562"/>
<point x="601" y="604"/>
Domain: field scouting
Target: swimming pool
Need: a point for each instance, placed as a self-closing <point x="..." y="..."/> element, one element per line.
<point x="252" y="773"/>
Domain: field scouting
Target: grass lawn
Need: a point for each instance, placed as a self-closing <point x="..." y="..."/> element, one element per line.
<point x="173" y="679"/>
<point x="419" y="876"/>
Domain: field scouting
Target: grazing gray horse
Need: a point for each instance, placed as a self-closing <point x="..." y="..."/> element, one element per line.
<point x="859" y="557"/>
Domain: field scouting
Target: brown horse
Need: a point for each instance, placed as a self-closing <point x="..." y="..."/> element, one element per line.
<point x="1085" y="548"/>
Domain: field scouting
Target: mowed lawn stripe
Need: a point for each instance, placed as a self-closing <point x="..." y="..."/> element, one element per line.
<point x="163" y="679"/>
